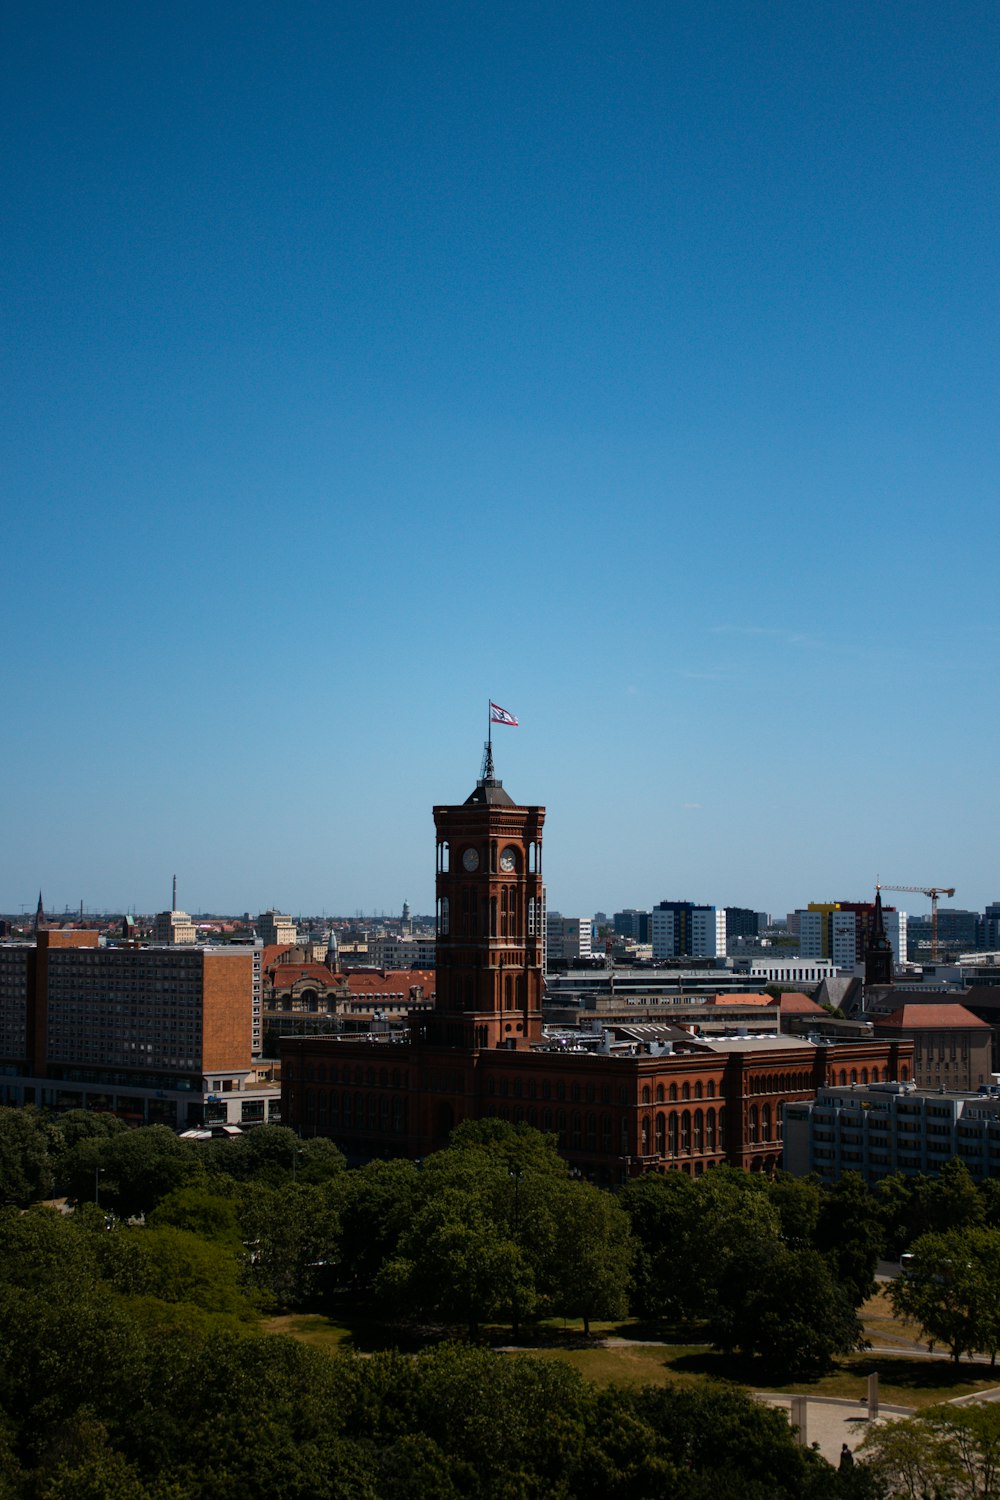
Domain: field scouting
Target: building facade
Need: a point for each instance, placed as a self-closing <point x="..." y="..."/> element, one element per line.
<point x="153" y="1034"/>
<point x="886" y="1128"/>
<point x="620" y="1101"/>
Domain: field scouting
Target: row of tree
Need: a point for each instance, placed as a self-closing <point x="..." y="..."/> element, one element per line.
<point x="119" y="1382"/>
<point x="496" y="1229"/>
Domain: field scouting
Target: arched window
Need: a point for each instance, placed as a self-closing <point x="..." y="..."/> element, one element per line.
<point x="843" y="1077"/>
<point x="686" y="1091"/>
<point x="673" y="1092"/>
<point x="686" y="1130"/>
<point x="699" y="1131"/>
<point x="659" y="1093"/>
<point x="443" y="916"/>
<point x="661" y="1134"/>
<point x="645" y="1135"/>
<point x="672" y="1134"/>
<point x="765" y="1122"/>
<point x="697" y="1089"/>
<point x="645" y="1094"/>
<point x="752" y="1125"/>
<point x="710" y="1129"/>
<point x="710" y="1088"/>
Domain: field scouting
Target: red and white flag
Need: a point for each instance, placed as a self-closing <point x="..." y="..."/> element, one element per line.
<point x="500" y="715"/>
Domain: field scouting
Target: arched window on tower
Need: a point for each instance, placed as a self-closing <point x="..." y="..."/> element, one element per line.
<point x="443" y="916"/>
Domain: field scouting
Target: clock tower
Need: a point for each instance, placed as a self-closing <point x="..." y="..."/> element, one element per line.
<point x="490" y="922"/>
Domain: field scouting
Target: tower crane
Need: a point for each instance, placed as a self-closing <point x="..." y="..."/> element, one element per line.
<point x="933" y="891"/>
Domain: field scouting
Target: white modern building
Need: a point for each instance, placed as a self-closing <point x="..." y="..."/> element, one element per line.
<point x="567" y="938"/>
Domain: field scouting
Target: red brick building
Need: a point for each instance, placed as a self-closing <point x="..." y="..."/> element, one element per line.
<point x="621" y="1100"/>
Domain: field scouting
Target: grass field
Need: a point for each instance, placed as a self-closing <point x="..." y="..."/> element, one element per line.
<point x="626" y="1354"/>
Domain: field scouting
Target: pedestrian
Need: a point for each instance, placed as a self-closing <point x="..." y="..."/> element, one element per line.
<point x="846" y="1457"/>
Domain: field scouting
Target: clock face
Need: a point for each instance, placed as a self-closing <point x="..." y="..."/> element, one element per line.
<point x="508" y="860"/>
<point x="470" y="859"/>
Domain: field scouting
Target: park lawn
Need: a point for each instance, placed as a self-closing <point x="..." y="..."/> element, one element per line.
<point x="625" y="1364"/>
<point x="903" y="1380"/>
<point x="311" y="1328"/>
<point x="882" y="1326"/>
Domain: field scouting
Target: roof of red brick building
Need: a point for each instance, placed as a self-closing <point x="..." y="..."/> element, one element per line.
<point x="739" y="999"/>
<point x="359" y="981"/>
<point x="931" y="1018"/>
<point x="794" y="1003"/>
<point x="368" y="983"/>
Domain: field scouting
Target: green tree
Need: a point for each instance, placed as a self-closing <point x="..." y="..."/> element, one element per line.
<point x="738" y="1445"/>
<point x="952" y="1290"/>
<point x="850" y="1233"/>
<point x="292" y="1237"/>
<point x="453" y="1267"/>
<point x="376" y="1204"/>
<point x="273" y="1155"/>
<point x="660" y="1209"/>
<point x="971" y="1436"/>
<point x="909" y="1458"/>
<point x="201" y="1212"/>
<point x="797" y="1200"/>
<point x="786" y="1307"/>
<point x="137" y="1168"/>
<point x="174" y="1265"/>
<point x="26" y="1156"/>
<point x="594" y="1250"/>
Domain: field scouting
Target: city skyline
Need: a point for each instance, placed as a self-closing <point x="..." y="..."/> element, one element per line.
<point x="633" y="367"/>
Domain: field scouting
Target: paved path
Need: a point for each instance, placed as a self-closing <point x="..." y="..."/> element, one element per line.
<point x="831" y="1422"/>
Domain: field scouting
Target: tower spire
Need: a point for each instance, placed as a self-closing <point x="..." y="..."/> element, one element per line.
<point x="878" y="953"/>
<point x="39" y="914"/>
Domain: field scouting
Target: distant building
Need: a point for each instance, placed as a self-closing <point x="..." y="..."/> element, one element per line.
<point x="680" y="929"/>
<point x="883" y="1128"/>
<point x="156" y="1035"/>
<point x="840" y="930"/>
<point x="632" y="923"/>
<point x="621" y="1099"/>
<point x="958" y="931"/>
<point x="273" y="927"/>
<point x="174" y="927"/>
<point x="567" y="939"/>
<point x="952" y="1048"/>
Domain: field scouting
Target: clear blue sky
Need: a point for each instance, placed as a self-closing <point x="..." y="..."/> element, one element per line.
<point x="633" y="363"/>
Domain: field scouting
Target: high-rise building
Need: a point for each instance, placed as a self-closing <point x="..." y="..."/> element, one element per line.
<point x="153" y="1034"/>
<point x="632" y="923"/>
<point x="680" y="929"/>
<point x="840" y="931"/>
<point x="275" y="928"/>
<point x="174" y="927"/>
<point x="567" y="939"/>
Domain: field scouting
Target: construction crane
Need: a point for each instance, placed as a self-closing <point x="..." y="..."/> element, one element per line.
<point x="933" y="891"/>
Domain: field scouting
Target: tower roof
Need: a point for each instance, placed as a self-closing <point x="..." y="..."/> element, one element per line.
<point x="490" y="793"/>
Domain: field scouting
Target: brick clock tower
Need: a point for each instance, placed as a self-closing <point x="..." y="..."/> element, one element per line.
<point x="490" y="922"/>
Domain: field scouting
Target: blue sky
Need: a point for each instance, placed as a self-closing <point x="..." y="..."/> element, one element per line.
<point x="633" y="364"/>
